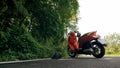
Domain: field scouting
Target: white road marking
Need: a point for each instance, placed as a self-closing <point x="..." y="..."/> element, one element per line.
<point x="8" y="62"/>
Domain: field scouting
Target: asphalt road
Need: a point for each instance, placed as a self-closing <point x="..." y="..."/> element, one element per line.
<point x="80" y="62"/>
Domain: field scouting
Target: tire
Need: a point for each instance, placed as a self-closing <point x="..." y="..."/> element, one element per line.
<point x="71" y="53"/>
<point x="98" y="50"/>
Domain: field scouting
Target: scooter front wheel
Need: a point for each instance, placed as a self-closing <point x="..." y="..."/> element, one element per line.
<point x="99" y="50"/>
<point x="71" y="53"/>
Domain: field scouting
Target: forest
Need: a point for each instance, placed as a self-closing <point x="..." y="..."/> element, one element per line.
<point x="31" y="29"/>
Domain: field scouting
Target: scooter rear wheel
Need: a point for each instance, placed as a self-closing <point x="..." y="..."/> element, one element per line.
<point x="71" y="53"/>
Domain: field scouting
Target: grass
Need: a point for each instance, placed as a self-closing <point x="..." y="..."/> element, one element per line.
<point x="113" y="51"/>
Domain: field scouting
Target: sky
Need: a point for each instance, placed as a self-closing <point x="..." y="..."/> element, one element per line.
<point x="102" y="16"/>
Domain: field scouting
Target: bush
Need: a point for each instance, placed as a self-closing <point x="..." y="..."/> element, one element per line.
<point x="8" y="55"/>
<point x="113" y="50"/>
<point x="18" y="44"/>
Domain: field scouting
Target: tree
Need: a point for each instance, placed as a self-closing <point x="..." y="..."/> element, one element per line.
<point x="28" y="24"/>
<point x="113" y="42"/>
<point x="51" y="16"/>
<point x="113" y="39"/>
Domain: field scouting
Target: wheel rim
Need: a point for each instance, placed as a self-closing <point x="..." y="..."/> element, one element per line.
<point x="97" y="50"/>
<point x="71" y="53"/>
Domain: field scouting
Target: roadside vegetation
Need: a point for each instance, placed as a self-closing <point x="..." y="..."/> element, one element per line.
<point x="113" y="47"/>
<point x="31" y="29"/>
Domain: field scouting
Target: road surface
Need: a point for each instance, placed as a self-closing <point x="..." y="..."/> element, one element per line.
<point x="80" y="62"/>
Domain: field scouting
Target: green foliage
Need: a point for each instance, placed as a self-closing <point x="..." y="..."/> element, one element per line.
<point x="51" y="17"/>
<point x="34" y="29"/>
<point x="113" y="41"/>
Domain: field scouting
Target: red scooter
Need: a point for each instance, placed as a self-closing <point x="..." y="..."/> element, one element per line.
<point x="90" y="44"/>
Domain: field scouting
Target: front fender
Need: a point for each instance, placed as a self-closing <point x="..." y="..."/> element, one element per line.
<point x="101" y="41"/>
